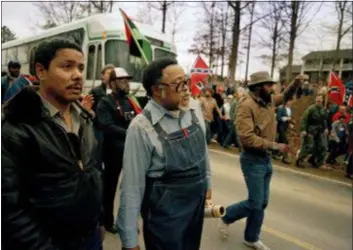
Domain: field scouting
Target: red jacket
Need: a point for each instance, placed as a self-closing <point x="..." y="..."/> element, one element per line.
<point x="337" y="115"/>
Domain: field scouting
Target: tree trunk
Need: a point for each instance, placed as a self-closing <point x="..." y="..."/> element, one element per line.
<point x="210" y="56"/>
<point x="249" y="42"/>
<point x="293" y="35"/>
<point x="235" y="42"/>
<point x="102" y="7"/>
<point x="339" y="38"/>
<point x="111" y="6"/>
<point x="274" y="48"/>
<point x="164" y="9"/>
<point x="223" y="52"/>
<point x="224" y="36"/>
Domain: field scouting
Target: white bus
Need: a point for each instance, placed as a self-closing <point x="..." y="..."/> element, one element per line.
<point x="103" y="41"/>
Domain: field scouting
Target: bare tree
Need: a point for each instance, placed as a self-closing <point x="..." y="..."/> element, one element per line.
<point x="222" y="20"/>
<point x="271" y="33"/>
<point x="144" y="14"/>
<point x="59" y="12"/>
<point x="162" y="6"/>
<point x="344" y="15"/>
<point x="297" y="14"/>
<point x="206" y="38"/>
<point x="236" y="6"/>
<point x="102" y="6"/>
<point x="174" y="17"/>
<point x="251" y="10"/>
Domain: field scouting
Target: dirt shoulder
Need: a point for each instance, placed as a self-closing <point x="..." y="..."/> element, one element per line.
<point x="333" y="174"/>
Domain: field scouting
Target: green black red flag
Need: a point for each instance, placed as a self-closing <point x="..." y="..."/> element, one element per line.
<point x="138" y="43"/>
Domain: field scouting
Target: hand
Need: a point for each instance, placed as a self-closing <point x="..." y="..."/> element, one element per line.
<point x="283" y="147"/>
<point x="102" y="233"/>
<point x="87" y="102"/>
<point x="134" y="248"/>
<point x="303" y="133"/>
<point x="208" y="203"/>
<point x="326" y="131"/>
<point x="209" y="194"/>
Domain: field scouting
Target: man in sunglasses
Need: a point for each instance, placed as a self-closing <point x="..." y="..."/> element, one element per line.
<point x="114" y="114"/>
<point x="166" y="165"/>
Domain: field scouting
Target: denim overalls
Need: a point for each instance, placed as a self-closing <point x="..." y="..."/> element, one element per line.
<point x="173" y="205"/>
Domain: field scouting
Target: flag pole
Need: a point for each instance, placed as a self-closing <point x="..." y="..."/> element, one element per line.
<point x="133" y="37"/>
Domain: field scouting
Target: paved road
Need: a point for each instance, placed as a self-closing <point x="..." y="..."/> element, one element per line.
<point x="304" y="212"/>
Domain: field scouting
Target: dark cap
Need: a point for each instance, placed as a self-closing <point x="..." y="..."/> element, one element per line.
<point x="14" y="65"/>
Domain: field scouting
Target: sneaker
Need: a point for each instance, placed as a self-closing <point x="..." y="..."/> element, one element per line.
<point x="223" y="229"/>
<point x="258" y="245"/>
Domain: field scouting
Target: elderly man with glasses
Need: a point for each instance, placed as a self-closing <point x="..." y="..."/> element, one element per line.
<point x="166" y="166"/>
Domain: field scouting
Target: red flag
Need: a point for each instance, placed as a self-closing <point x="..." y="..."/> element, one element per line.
<point x="336" y="89"/>
<point x="199" y="72"/>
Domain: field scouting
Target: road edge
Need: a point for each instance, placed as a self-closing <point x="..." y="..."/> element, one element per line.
<point x="288" y="169"/>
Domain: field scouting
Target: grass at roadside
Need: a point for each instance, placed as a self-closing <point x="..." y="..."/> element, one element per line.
<point x="334" y="174"/>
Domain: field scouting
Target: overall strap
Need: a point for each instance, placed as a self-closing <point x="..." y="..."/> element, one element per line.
<point x="194" y="118"/>
<point x="161" y="132"/>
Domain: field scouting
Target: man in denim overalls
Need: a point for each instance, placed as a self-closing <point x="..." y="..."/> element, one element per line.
<point x="166" y="171"/>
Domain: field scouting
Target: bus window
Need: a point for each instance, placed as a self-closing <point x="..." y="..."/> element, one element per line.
<point x="90" y="62"/>
<point x="12" y="54"/>
<point x="159" y="53"/>
<point x="23" y="53"/>
<point x="99" y="62"/>
<point x="3" y="56"/>
<point x="32" y="68"/>
<point x="117" y="53"/>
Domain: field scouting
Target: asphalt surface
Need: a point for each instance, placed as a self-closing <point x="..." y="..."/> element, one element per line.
<point x="305" y="212"/>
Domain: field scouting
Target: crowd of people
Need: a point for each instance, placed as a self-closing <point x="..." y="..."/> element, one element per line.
<point x="62" y="153"/>
<point x="325" y="130"/>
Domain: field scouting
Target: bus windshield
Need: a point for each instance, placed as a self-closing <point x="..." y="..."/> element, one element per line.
<point x="117" y="53"/>
<point x="159" y="53"/>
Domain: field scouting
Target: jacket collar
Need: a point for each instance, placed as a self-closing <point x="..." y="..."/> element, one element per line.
<point x="158" y="111"/>
<point x="27" y="107"/>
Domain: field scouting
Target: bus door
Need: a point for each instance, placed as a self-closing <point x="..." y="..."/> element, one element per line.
<point x="94" y="64"/>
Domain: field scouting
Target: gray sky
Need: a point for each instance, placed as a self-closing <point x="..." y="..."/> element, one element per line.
<point x="21" y="18"/>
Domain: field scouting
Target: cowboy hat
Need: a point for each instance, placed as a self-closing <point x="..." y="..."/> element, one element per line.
<point x="260" y="77"/>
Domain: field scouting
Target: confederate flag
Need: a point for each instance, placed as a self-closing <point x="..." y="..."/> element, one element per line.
<point x="199" y="73"/>
<point x="336" y="89"/>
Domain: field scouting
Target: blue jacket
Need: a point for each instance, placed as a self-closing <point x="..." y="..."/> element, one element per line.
<point x="281" y="113"/>
<point x="16" y="87"/>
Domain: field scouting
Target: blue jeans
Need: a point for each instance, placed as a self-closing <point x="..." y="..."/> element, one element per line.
<point x="257" y="171"/>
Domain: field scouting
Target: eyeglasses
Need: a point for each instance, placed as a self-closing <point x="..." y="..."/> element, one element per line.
<point x="179" y="86"/>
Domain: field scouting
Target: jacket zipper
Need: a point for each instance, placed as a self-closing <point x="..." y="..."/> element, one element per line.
<point x="69" y="144"/>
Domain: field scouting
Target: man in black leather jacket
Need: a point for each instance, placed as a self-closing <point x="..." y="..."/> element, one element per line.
<point x="51" y="188"/>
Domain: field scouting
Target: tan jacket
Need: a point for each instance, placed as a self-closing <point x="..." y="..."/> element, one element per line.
<point x="256" y="122"/>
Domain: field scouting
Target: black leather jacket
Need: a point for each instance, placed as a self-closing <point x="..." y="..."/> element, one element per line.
<point x="48" y="201"/>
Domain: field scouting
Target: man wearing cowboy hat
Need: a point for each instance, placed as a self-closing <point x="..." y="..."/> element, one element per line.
<point x="114" y="114"/>
<point x="256" y="127"/>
